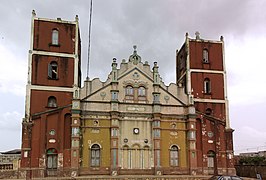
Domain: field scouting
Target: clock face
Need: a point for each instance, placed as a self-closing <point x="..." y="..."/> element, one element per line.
<point x="75" y="104"/>
<point x="136" y="130"/>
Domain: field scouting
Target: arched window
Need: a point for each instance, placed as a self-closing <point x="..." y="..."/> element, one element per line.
<point x="205" y="56"/>
<point x="129" y="90"/>
<point x="129" y="93"/>
<point x="208" y="111"/>
<point x="136" y="156"/>
<point x="141" y="91"/>
<point x="207" y="86"/>
<point x="51" y="158"/>
<point x="174" y="155"/>
<point x="95" y="155"/>
<point x="52" y="102"/>
<point x="53" y="70"/>
<point x="55" y="37"/>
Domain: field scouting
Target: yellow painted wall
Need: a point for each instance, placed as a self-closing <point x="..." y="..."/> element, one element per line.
<point x="169" y="139"/>
<point x="102" y="138"/>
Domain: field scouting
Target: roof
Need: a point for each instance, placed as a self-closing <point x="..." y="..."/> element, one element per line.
<point x="14" y="151"/>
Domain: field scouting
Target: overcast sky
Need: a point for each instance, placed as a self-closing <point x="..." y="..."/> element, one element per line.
<point x="158" y="28"/>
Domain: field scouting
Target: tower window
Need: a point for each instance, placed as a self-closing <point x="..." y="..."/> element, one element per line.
<point x="95" y="155"/>
<point x="207" y="86"/>
<point x="53" y="70"/>
<point x="205" y="56"/>
<point x="156" y="98"/>
<point x="114" y="95"/>
<point x="208" y="111"/>
<point x="174" y="155"/>
<point x="52" y="102"/>
<point x="55" y="37"/>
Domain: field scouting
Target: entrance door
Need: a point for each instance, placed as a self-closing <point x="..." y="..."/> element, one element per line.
<point x="51" y="162"/>
<point x="210" y="163"/>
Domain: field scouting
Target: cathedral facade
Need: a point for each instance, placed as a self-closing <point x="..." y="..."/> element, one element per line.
<point x="132" y="123"/>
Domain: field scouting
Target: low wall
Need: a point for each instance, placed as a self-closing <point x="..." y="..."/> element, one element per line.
<point x="9" y="174"/>
<point x="251" y="171"/>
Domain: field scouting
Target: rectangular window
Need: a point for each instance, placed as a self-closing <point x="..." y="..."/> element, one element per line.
<point x="55" y="37"/>
<point x="95" y="159"/>
<point x="114" y="156"/>
<point x="174" y="158"/>
<point x="114" y="132"/>
<point x="114" y="96"/>
<point x="205" y="56"/>
<point x="158" y="158"/>
<point x="156" y="123"/>
<point x="52" y="161"/>
<point x="207" y="86"/>
<point x="157" y="133"/>
<point x="156" y="97"/>
<point x="192" y="135"/>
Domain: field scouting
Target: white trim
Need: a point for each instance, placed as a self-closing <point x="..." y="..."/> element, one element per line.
<point x="48" y="53"/>
<point x="27" y="103"/>
<point x="227" y="126"/>
<point x="50" y="88"/>
<point x="188" y="77"/>
<point x="207" y="71"/>
<point x="174" y="145"/>
<point x="205" y="41"/>
<point x="94" y="144"/>
<point x="76" y="63"/>
<point x="28" y="94"/>
<point x="54" y="20"/>
<point x="210" y="100"/>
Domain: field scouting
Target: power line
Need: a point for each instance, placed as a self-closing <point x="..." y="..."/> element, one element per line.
<point x="89" y="45"/>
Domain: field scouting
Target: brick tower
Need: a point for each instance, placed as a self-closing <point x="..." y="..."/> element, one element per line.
<point x="201" y="70"/>
<point x="54" y="75"/>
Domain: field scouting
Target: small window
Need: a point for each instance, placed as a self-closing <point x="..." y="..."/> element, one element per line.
<point x="55" y="37"/>
<point x="52" y="132"/>
<point x="174" y="156"/>
<point x="156" y="97"/>
<point x="207" y="86"/>
<point x="192" y="135"/>
<point x="208" y="111"/>
<point x="205" y="56"/>
<point x="53" y="70"/>
<point x="157" y="133"/>
<point x="52" y="102"/>
<point x="95" y="155"/>
<point x="114" y="95"/>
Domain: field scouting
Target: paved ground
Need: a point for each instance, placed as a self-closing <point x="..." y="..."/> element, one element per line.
<point x="137" y="177"/>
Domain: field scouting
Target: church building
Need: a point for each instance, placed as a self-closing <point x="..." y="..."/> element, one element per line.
<point x="130" y="124"/>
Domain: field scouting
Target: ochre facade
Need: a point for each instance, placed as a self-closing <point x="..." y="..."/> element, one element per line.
<point x="132" y="123"/>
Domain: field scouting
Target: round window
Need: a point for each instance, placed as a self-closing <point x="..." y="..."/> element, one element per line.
<point x="210" y="134"/>
<point x="52" y="132"/>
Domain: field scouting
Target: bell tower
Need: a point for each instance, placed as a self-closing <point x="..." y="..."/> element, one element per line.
<point x="201" y="71"/>
<point x="54" y="75"/>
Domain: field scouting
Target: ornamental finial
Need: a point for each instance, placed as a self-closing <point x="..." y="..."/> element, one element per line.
<point x="135" y="48"/>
